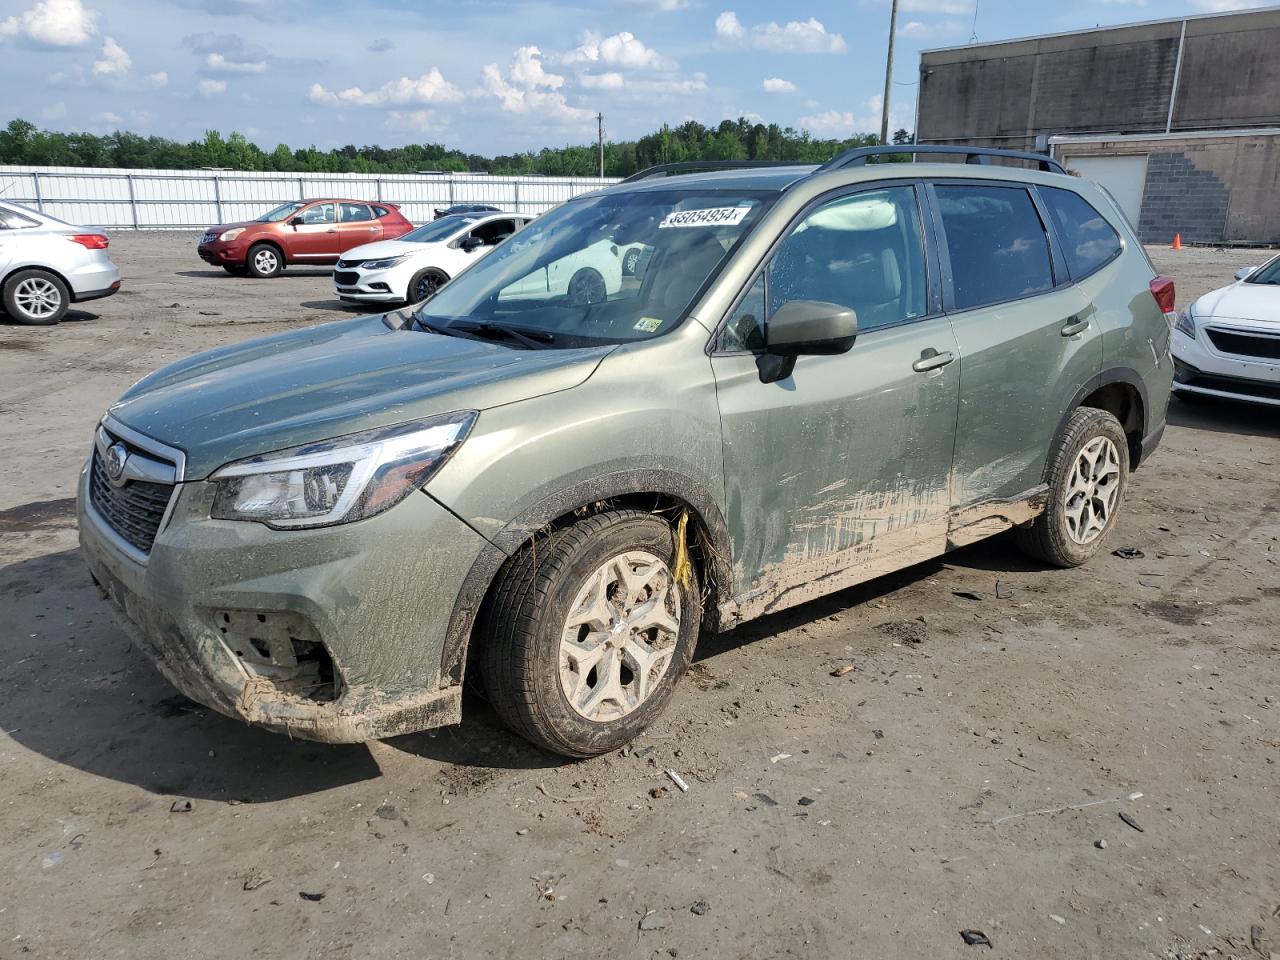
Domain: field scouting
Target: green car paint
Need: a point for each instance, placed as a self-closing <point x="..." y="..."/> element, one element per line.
<point x="925" y="436"/>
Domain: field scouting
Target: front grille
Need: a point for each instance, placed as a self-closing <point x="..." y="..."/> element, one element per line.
<point x="134" y="510"/>
<point x="1242" y="344"/>
<point x="209" y="238"/>
<point x="348" y="264"/>
<point x="346" y="278"/>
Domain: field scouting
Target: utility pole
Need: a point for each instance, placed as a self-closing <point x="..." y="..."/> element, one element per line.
<point x="888" y="74"/>
<point x="600" y="137"/>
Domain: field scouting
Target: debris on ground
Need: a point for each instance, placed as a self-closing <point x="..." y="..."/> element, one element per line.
<point x="255" y="880"/>
<point x="700" y="908"/>
<point x="969" y="594"/>
<point x="678" y="781"/>
<point x="767" y="800"/>
<point x="1003" y="591"/>
<point x="1131" y="822"/>
<point x="655" y="920"/>
<point x="779" y="756"/>
<point x="878" y="734"/>
<point x="805" y="801"/>
<point x="910" y="632"/>
<point x="1128" y="553"/>
<point x="182" y="805"/>
<point x="842" y="671"/>
<point x="1100" y="844"/>
<point x="313" y="897"/>
<point x="1061" y="921"/>
<point x="386" y="812"/>
<point x="976" y="938"/>
<point x="657" y="793"/>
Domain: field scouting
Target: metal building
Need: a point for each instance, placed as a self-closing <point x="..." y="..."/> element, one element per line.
<point x="1180" y="118"/>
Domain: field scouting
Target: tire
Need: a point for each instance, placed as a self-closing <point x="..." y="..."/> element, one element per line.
<point x="236" y="269"/>
<point x="528" y="661"/>
<point x="36" y="298"/>
<point x="424" y="285"/>
<point x="1087" y="473"/>
<point x="587" y="287"/>
<point x="264" y="261"/>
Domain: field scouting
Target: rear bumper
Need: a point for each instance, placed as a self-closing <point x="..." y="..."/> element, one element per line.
<point x="100" y="277"/>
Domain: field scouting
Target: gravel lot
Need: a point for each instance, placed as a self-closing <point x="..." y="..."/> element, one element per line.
<point x="964" y="775"/>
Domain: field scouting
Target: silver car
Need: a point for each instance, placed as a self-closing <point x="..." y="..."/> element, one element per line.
<point x="46" y="265"/>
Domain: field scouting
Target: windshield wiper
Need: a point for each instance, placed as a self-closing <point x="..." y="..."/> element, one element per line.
<point x="533" y="339"/>
<point x="447" y="330"/>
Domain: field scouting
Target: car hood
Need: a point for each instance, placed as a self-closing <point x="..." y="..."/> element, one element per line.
<point x="1242" y="301"/>
<point x="331" y="380"/>
<point x="243" y="224"/>
<point x="384" y="248"/>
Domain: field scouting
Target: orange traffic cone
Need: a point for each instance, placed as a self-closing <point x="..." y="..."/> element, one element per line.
<point x="1177" y="241"/>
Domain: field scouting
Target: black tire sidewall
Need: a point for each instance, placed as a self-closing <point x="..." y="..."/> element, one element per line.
<point x="251" y="268"/>
<point x="412" y="293"/>
<point x="570" y="732"/>
<point x="583" y="276"/>
<point x="11" y="303"/>
<point x="1092" y="424"/>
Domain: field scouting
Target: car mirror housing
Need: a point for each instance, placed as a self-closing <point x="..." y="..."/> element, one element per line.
<point x="470" y="243"/>
<point x="805" y="328"/>
<point x="1244" y="272"/>
<point x="295" y="221"/>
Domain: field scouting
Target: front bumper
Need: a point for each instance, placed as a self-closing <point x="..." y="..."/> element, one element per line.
<point x="222" y="254"/>
<point x="1201" y="369"/>
<point x="372" y="286"/>
<point x="378" y="595"/>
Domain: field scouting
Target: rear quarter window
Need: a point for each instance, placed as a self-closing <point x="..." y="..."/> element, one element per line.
<point x="380" y="212"/>
<point x="1089" y="242"/>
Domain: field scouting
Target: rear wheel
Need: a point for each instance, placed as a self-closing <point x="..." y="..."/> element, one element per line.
<point x="424" y="285"/>
<point x="264" y="261"/>
<point x="1087" y="475"/>
<point x="587" y="287"/>
<point x="36" y="298"/>
<point x="587" y="632"/>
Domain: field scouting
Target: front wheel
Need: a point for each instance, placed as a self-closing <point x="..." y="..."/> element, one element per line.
<point x="36" y="298"/>
<point x="1087" y="474"/>
<point x="587" y="287"/>
<point x="424" y="285"/>
<point x="587" y="631"/>
<point x="264" y="261"/>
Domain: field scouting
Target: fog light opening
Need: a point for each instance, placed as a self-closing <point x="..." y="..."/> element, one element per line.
<point x="283" y="648"/>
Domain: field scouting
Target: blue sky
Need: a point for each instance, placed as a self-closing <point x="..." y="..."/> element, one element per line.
<point x="491" y="76"/>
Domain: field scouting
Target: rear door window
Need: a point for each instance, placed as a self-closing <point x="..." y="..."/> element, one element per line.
<point x="997" y="244"/>
<point x="1087" y="240"/>
<point x="355" y="213"/>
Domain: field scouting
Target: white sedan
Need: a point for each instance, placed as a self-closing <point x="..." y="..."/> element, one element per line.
<point x="413" y="267"/>
<point x="1227" y="343"/>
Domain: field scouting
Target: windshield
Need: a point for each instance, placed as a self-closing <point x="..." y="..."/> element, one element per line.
<point x="438" y="230"/>
<point x="1270" y="274"/>
<point x="282" y="212"/>
<point x="610" y="268"/>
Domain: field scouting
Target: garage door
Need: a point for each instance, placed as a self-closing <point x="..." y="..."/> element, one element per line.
<point x="1125" y="177"/>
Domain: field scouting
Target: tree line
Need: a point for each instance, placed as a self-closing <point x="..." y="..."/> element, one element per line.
<point x="21" y="142"/>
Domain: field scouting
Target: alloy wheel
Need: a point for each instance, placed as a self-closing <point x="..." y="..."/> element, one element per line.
<point x="1092" y="490"/>
<point x="265" y="261"/>
<point x="620" y="636"/>
<point x="38" y="297"/>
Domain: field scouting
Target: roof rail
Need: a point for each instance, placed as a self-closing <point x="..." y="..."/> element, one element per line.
<point x="692" y="166"/>
<point x="858" y="156"/>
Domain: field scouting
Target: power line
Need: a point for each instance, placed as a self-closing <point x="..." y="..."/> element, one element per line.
<point x="973" y="35"/>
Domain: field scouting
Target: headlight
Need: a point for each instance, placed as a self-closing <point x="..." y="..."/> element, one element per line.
<point x="231" y="234"/>
<point x="384" y="264"/>
<point x="341" y="480"/>
<point x="1186" y="322"/>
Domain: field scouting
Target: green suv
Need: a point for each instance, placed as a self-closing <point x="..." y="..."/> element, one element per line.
<point x="809" y="377"/>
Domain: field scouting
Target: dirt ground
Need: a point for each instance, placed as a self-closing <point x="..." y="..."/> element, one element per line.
<point x="965" y="775"/>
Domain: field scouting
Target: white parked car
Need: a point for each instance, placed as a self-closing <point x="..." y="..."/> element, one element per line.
<point x="46" y="265"/>
<point x="1227" y="343"/>
<point x="412" y="267"/>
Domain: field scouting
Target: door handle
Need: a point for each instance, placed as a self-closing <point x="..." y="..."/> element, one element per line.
<point x="931" y="359"/>
<point x="1074" y="326"/>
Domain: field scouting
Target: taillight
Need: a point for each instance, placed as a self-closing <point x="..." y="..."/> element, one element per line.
<point x="90" y="241"/>
<point x="1162" y="290"/>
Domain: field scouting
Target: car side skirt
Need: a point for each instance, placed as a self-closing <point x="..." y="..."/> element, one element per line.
<point x="797" y="581"/>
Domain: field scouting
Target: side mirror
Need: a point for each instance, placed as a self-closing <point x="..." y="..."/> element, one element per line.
<point x="1244" y="272"/>
<point x="805" y="328"/>
<point x="296" y="222"/>
<point x="470" y="243"/>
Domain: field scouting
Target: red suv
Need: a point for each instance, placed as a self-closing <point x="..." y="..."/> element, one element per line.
<point x="301" y="231"/>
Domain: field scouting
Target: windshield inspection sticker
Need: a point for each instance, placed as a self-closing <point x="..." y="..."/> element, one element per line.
<point x="710" y="217"/>
<point x="648" y="324"/>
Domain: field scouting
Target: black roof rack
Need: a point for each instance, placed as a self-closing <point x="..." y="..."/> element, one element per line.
<point x="858" y="156"/>
<point x="695" y="166"/>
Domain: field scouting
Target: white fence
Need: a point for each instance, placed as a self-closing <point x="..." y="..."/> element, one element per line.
<point x="175" y="199"/>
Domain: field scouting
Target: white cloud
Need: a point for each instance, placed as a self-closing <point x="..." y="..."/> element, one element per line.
<point x="829" y="121"/>
<point x="796" y="36"/>
<point x="622" y="51"/>
<point x="431" y="87"/>
<point x="846" y="123"/>
<point x="115" y="61"/>
<point x="218" y="63"/>
<point x="939" y="28"/>
<point x="54" y="23"/>
<point x="778" y="85"/>
<point x="211" y="87"/>
<point x="114" y="119"/>
<point x="518" y="96"/>
<point x="411" y="119"/>
<point x="158" y="79"/>
<point x="655" y="6"/>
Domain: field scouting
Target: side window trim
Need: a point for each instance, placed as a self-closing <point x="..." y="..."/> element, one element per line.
<point x="1057" y="256"/>
<point x="933" y="251"/>
<point x="948" y="287"/>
